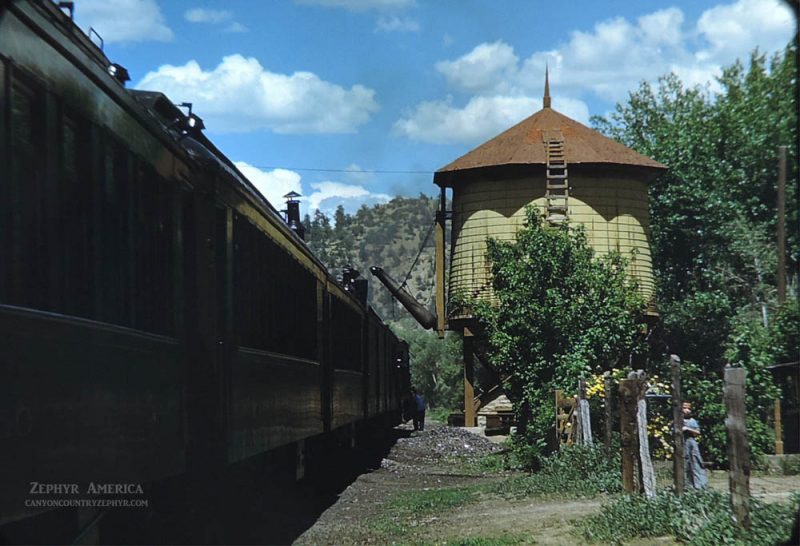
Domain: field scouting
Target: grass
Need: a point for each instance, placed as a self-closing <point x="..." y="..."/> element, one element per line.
<point x="502" y="540"/>
<point x="408" y="510"/>
<point x="701" y="518"/>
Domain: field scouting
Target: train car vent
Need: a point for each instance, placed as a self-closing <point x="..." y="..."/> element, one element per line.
<point x="69" y="6"/>
<point x="355" y="284"/>
<point x="119" y="73"/>
<point x="293" y="214"/>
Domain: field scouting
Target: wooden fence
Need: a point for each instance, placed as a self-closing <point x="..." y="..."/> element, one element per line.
<point x="573" y="423"/>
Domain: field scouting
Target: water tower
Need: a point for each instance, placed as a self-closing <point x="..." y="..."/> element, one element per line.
<point x="560" y="166"/>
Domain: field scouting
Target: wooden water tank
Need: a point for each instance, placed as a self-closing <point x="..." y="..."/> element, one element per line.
<point x="493" y="183"/>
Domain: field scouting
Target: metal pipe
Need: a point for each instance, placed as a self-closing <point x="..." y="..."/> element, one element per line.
<point x="417" y="310"/>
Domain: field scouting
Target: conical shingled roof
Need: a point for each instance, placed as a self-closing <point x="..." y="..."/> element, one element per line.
<point x="523" y="144"/>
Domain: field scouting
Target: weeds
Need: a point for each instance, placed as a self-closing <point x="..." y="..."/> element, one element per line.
<point x="409" y="509"/>
<point x="574" y="471"/>
<point x="701" y="518"/>
<point x="503" y="540"/>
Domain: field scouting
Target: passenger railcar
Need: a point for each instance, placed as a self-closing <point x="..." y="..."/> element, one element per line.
<point x="157" y="315"/>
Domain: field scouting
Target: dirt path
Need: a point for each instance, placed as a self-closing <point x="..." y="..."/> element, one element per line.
<point x="417" y="497"/>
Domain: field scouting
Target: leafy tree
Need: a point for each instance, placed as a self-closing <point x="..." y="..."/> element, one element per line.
<point x="713" y="212"/>
<point x="436" y="369"/>
<point x="561" y="314"/>
<point x="341" y="220"/>
<point x="713" y="224"/>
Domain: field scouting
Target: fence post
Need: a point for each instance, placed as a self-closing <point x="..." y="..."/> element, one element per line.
<point x="584" y="417"/>
<point x="679" y="470"/>
<point x="628" y="389"/>
<point x="778" y="428"/>
<point x="738" y="446"/>
<point x="607" y="386"/>
<point x="648" y="475"/>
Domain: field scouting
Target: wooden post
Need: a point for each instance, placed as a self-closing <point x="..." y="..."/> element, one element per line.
<point x="558" y="418"/>
<point x="738" y="446"/>
<point x="778" y="428"/>
<point x="584" y="416"/>
<point x="561" y="419"/>
<point x="628" y="389"/>
<point x="679" y="470"/>
<point x="648" y="475"/>
<point x="608" y="395"/>
<point x="566" y="416"/>
<point x="469" y="381"/>
<point x="441" y="215"/>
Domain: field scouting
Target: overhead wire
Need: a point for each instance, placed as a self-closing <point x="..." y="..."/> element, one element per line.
<point x="421" y="248"/>
<point x="347" y="171"/>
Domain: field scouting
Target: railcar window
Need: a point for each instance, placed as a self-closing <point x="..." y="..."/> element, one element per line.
<point x="346" y="336"/>
<point x="154" y="246"/>
<point x="27" y="273"/>
<point x="104" y="224"/>
<point x="113" y="267"/>
<point x="275" y="297"/>
<point x="75" y="220"/>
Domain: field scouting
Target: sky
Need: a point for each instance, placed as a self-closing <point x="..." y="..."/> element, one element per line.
<point x="353" y="102"/>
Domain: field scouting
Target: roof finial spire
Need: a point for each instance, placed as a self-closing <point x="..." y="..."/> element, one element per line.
<point x="546" y="100"/>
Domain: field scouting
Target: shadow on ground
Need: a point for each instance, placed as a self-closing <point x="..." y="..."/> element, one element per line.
<point x="257" y="501"/>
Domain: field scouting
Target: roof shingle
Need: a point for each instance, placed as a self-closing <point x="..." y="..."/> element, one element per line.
<point x="523" y="144"/>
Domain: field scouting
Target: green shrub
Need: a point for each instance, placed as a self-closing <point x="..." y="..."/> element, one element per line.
<point x="438" y="414"/>
<point x="704" y="389"/>
<point x="702" y="518"/>
<point x="577" y="471"/>
<point x="790" y="465"/>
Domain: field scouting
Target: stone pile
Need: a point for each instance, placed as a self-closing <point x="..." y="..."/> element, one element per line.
<point x="439" y="445"/>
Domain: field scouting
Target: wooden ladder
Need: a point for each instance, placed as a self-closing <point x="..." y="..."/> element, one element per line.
<point x="557" y="188"/>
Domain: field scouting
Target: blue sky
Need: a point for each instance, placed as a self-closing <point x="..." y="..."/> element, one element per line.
<point x="317" y="95"/>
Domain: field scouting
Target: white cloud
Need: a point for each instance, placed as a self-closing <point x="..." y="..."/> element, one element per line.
<point x="396" y="24"/>
<point x="272" y="184"/>
<point x="482" y="117"/>
<point x="123" y="20"/>
<point x="325" y="196"/>
<point x="733" y="30"/>
<point x="240" y="95"/>
<point x="214" y="17"/>
<point x="362" y="5"/>
<point x="356" y="174"/>
<point x="328" y="195"/>
<point x="615" y="56"/>
<point x="236" y="27"/>
<point x="203" y="15"/>
<point x="662" y="27"/>
<point x="612" y="58"/>
<point x="607" y="62"/>
<point x="488" y="67"/>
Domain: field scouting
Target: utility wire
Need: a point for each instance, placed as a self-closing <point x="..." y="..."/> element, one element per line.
<point x="350" y="171"/>
<point x="421" y="248"/>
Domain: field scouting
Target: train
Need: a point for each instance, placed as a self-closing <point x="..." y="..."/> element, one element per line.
<point x="158" y="316"/>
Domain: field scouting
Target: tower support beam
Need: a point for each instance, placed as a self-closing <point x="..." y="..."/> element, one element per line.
<point x="469" y="379"/>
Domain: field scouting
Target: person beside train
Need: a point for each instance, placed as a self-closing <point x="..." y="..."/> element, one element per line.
<point x="696" y="477"/>
<point x="419" y="410"/>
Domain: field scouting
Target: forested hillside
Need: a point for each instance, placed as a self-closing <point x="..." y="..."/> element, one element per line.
<point x="388" y="235"/>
